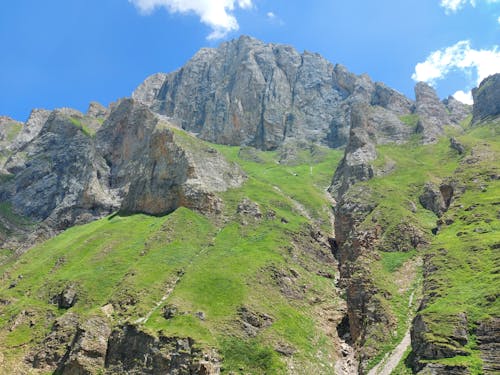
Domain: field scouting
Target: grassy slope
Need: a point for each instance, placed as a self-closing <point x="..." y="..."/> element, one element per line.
<point x="467" y="278"/>
<point x="134" y="260"/>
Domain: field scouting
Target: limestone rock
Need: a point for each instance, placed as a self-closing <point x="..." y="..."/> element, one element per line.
<point x="60" y="167"/>
<point x="457" y="110"/>
<point x="360" y="152"/>
<point x="88" y="349"/>
<point x="488" y="338"/>
<point x="437" y="199"/>
<point x="51" y="351"/>
<point x="132" y="351"/>
<point x="156" y="170"/>
<point x="432" y="113"/>
<point x="247" y="92"/>
<point x="486" y="99"/>
<point x="31" y="128"/>
<point x="97" y="110"/>
<point x="390" y="99"/>
<point x="457" y="146"/>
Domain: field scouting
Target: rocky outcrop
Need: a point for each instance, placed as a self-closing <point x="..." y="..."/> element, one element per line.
<point x="432" y="113"/>
<point x="97" y="110"/>
<point x="359" y="154"/>
<point x="247" y="92"/>
<point x="156" y="170"/>
<point x="134" y="162"/>
<point x="131" y="351"/>
<point x="437" y="199"/>
<point x="457" y="110"/>
<point x="488" y="339"/>
<point x="31" y="128"/>
<point x="87" y="351"/>
<point x="57" y="167"/>
<point x="486" y="99"/>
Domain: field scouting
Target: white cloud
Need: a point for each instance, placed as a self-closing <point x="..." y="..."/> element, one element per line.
<point x="271" y="15"/>
<point x="452" y="6"/>
<point x="464" y="97"/>
<point x="217" y="14"/>
<point x="475" y="64"/>
<point x="498" y="20"/>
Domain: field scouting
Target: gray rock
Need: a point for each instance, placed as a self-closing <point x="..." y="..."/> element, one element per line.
<point x="249" y="208"/>
<point x="156" y="170"/>
<point x="61" y="168"/>
<point x="488" y="338"/>
<point x="457" y="146"/>
<point x="67" y="298"/>
<point x="437" y="199"/>
<point x="360" y="152"/>
<point x="97" y="110"/>
<point x="247" y="92"/>
<point x="54" y="346"/>
<point x="390" y="99"/>
<point x="31" y="128"/>
<point x="457" y="110"/>
<point x="433" y="114"/>
<point x="486" y="99"/>
<point x="87" y="352"/>
<point x="131" y="351"/>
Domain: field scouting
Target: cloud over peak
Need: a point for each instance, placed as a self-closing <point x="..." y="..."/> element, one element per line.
<point x="475" y="64"/>
<point x="217" y="14"/>
<point x="452" y="6"/>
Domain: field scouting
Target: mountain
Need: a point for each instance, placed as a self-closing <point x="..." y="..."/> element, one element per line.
<point x="258" y="211"/>
<point x="247" y="92"/>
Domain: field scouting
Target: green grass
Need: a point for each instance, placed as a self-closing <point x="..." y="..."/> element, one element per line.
<point x="131" y="261"/>
<point x="410" y="120"/>
<point x="82" y="126"/>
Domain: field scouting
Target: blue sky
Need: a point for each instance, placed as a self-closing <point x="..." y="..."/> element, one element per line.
<point x="59" y="53"/>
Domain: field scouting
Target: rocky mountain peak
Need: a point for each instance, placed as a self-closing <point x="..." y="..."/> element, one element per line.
<point x="487" y="99"/>
<point x="247" y="92"/>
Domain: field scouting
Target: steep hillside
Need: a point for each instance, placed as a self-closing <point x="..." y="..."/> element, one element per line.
<point x="423" y="203"/>
<point x="252" y="290"/>
<point x="129" y="244"/>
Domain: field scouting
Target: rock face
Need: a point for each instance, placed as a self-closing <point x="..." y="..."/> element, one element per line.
<point x="486" y="99"/>
<point x="360" y="152"/>
<point x="134" y="162"/>
<point x="134" y="352"/>
<point x="488" y="334"/>
<point x="247" y="92"/>
<point x="432" y="113"/>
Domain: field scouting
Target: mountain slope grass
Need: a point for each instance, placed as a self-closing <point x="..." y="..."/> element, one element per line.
<point x="205" y="269"/>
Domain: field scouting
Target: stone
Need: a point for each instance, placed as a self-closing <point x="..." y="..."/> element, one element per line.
<point x="97" y="110"/>
<point x="87" y="352"/>
<point x="433" y="114"/>
<point x="253" y="322"/>
<point x="360" y="152"/>
<point x="249" y="208"/>
<point x="67" y="298"/>
<point x="457" y="110"/>
<point x="486" y="99"/>
<point x="131" y="351"/>
<point x="246" y="92"/>
<point x="457" y="146"/>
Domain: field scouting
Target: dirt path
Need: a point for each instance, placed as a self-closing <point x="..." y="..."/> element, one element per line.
<point x="170" y="289"/>
<point x="299" y="207"/>
<point x="387" y="365"/>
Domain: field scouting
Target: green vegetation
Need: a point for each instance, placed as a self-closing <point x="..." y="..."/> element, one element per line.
<point x="463" y="252"/>
<point x="410" y="120"/>
<point x="197" y="265"/>
<point x="80" y="124"/>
